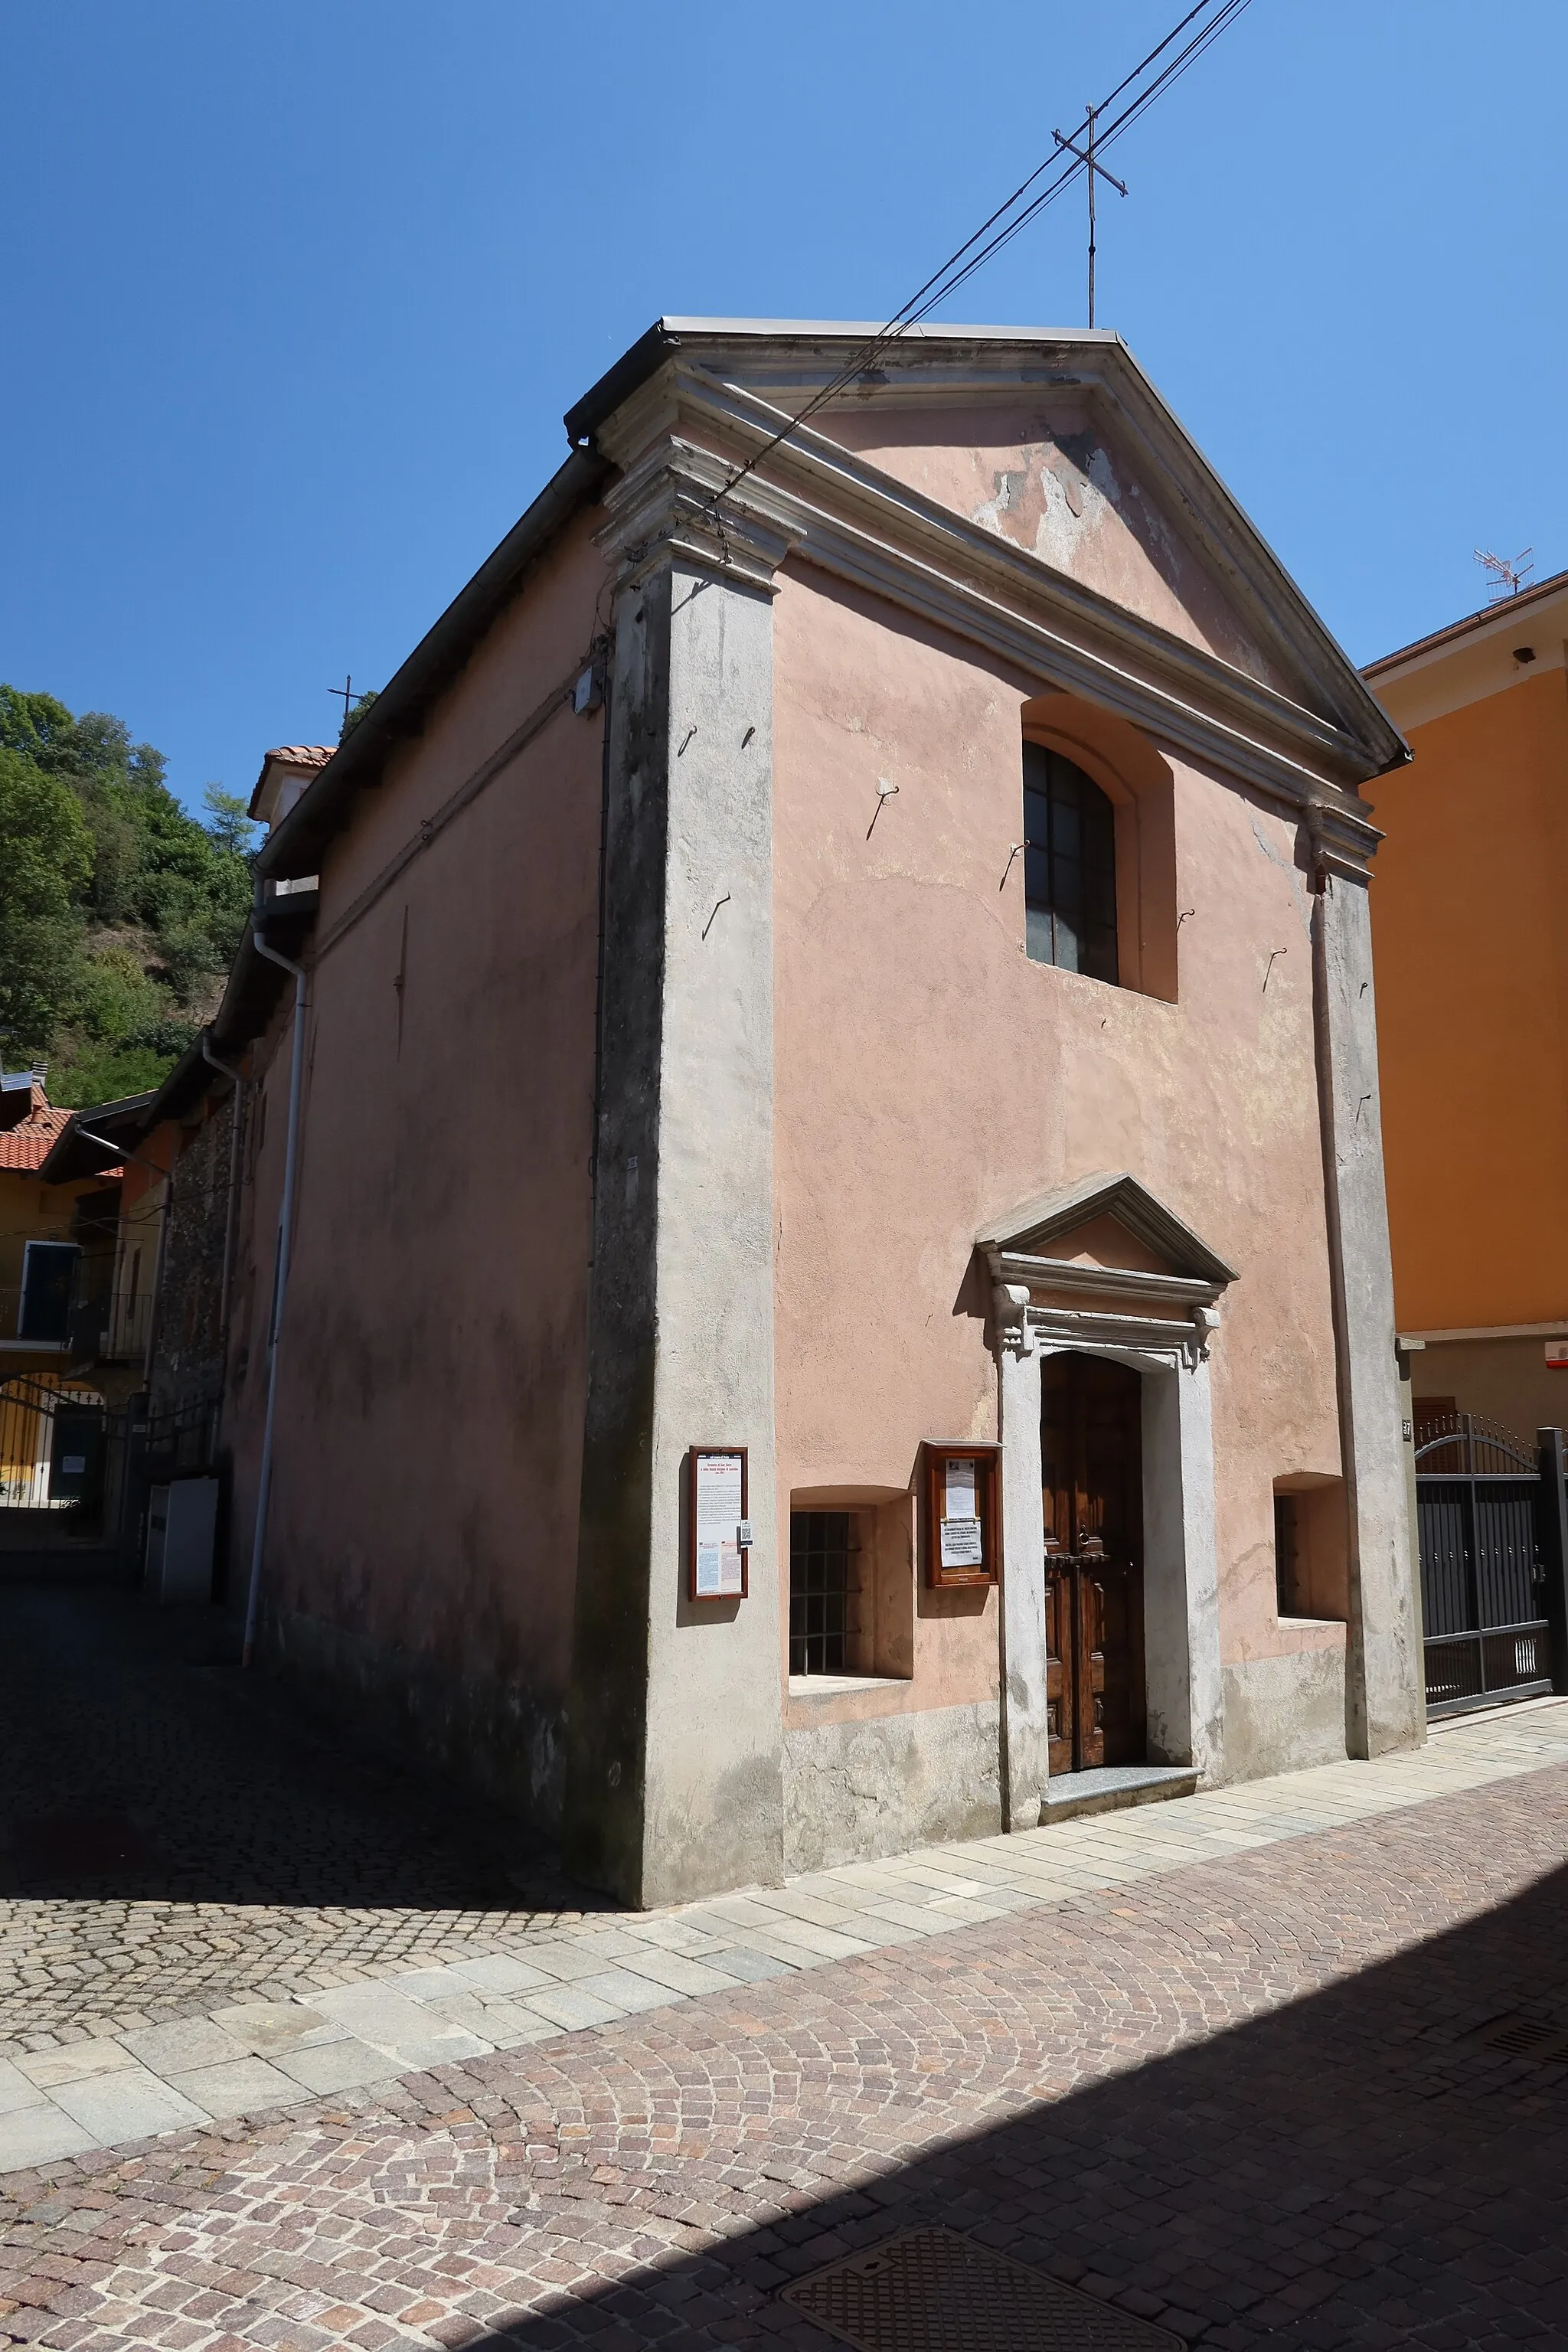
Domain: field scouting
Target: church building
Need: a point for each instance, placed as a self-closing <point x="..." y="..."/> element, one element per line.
<point x="838" y="1280"/>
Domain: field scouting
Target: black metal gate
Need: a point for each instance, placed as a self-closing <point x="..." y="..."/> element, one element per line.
<point x="1483" y="1580"/>
<point x="76" y="1473"/>
<point x="52" y="1450"/>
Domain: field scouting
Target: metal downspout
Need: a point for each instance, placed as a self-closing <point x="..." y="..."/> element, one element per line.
<point x="607" y="657"/>
<point x="285" y="1218"/>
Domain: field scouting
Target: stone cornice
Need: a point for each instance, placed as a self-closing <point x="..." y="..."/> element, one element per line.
<point x="834" y="510"/>
<point x="1127" y="1286"/>
<point x="660" y="510"/>
<point x="1022" y="1324"/>
<point x="1339" y="841"/>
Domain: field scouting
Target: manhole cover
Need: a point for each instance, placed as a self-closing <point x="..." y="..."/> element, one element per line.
<point x="933" y="2290"/>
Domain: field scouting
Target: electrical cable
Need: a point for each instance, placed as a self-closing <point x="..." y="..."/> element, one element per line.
<point x="946" y="280"/>
<point x="1131" y="114"/>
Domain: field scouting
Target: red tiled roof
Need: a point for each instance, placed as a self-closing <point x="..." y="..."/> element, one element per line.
<point x="26" y="1146"/>
<point x="301" y="755"/>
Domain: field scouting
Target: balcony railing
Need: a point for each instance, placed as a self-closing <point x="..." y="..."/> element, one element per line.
<point x="86" y="1323"/>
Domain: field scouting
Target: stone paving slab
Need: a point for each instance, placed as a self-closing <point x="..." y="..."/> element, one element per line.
<point x="585" y="1976"/>
<point x="1253" y="2098"/>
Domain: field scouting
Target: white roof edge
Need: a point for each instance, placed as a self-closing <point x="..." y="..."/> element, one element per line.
<point x="1471" y="629"/>
<point x="1558" y="1331"/>
<point x="864" y="330"/>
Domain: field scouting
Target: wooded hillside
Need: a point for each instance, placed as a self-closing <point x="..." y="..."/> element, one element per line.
<point x="119" y="912"/>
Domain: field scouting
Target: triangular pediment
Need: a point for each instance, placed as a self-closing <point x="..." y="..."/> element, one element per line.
<point x="1061" y="479"/>
<point x="1025" y="489"/>
<point x="1110" y="1222"/>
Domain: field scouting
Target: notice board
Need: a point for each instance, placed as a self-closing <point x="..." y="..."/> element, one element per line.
<point x="718" y="1537"/>
<point x="961" y="1514"/>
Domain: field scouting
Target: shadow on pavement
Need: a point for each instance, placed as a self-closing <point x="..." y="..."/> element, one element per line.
<point x="138" y="1763"/>
<point x="1364" y="2167"/>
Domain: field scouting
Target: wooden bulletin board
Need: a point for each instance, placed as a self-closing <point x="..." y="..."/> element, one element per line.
<point x="718" y="1565"/>
<point x="962" y="1513"/>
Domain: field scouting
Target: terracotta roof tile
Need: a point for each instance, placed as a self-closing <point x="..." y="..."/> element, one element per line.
<point x="26" y="1146"/>
<point x="302" y="755"/>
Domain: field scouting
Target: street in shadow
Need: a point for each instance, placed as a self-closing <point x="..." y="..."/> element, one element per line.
<point x="140" y="1764"/>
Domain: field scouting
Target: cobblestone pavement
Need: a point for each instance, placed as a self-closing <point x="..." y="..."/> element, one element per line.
<point x="174" y="1835"/>
<point x="1257" y="2098"/>
<point x="131" y="2014"/>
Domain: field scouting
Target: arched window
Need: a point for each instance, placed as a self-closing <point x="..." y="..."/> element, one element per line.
<point x="1069" y="866"/>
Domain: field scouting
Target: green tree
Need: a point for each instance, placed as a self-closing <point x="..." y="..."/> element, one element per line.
<point x="142" y="914"/>
<point x="45" y="863"/>
<point x="228" y="823"/>
<point x="361" y="703"/>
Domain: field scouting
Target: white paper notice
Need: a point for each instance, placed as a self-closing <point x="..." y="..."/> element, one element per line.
<point x="959" y="1503"/>
<point x="961" y="1545"/>
<point x="718" y="1526"/>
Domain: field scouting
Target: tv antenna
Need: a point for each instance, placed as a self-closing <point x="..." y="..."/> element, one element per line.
<point x="1086" y="156"/>
<point x="1505" y="575"/>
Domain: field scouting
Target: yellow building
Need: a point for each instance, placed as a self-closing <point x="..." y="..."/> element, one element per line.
<point x="1471" y="960"/>
<point x="56" y="1241"/>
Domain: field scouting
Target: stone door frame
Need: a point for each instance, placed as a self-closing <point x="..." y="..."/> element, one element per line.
<point x="1181" y="1579"/>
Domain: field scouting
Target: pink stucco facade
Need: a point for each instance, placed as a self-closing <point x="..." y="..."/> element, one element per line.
<point x="928" y="1074"/>
<point x="430" y="1406"/>
<point x="677" y="1074"/>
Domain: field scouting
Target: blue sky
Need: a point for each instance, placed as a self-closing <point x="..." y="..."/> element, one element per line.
<point x="297" y="291"/>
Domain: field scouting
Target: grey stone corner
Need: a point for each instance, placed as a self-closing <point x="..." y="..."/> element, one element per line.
<point x="1340" y="837"/>
<point x="680" y="503"/>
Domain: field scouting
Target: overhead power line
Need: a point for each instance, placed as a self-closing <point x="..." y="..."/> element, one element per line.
<point x="1014" y="214"/>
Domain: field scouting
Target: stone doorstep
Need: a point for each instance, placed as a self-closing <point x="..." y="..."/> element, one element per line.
<point x="1113" y="1788"/>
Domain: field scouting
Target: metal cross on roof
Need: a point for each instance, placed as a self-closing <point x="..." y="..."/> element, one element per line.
<point x="1086" y="156"/>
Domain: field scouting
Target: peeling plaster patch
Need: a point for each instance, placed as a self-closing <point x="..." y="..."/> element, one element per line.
<point x="1007" y="498"/>
<point x="1071" y="480"/>
<point x="1055" y="502"/>
<point x="1102" y="475"/>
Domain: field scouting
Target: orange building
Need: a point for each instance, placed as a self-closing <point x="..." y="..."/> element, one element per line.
<point x="1471" y="959"/>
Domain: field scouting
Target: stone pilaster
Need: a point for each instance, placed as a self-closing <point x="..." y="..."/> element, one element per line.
<point x="1384" y="1682"/>
<point x="675" y="1743"/>
<point x="1025" y="1731"/>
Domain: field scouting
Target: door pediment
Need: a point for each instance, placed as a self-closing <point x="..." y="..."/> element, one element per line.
<point x="1108" y="1236"/>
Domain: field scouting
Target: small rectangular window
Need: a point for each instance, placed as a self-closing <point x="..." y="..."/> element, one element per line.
<point x="823" y="1581"/>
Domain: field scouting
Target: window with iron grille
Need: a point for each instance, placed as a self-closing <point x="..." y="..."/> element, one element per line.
<point x="1069" y="866"/>
<point x="823" y="1583"/>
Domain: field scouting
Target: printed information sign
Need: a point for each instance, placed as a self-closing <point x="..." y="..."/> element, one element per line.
<point x="718" y="1509"/>
<point x="961" y="1544"/>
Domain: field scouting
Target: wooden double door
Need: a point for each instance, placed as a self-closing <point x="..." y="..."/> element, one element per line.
<point x="1092" y="1479"/>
